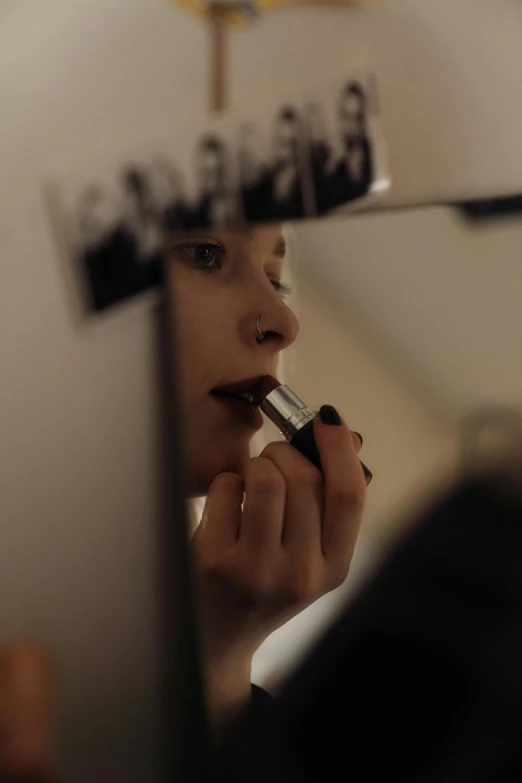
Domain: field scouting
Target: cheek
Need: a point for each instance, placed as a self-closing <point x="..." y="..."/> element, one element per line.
<point x="198" y="333"/>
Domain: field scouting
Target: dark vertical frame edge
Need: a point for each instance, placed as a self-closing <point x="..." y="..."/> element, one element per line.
<point x="187" y="744"/>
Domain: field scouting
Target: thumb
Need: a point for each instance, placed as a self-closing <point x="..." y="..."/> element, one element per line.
<point x="221" y="518"/>
<point x="27" y="715"/>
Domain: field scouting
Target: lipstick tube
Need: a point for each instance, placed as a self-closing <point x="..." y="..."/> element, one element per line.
<point x="294" y="420"/>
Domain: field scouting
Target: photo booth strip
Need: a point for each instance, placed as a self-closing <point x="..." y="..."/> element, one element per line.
<point x="295" y="158"/>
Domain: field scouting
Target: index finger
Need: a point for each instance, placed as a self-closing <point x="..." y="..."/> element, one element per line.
<point x="345" y="490"/>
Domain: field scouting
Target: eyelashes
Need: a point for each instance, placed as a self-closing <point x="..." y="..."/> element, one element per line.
<point x="284" y="291"/>
<point x="209" y="257"/>
<point x="206" y="256"/>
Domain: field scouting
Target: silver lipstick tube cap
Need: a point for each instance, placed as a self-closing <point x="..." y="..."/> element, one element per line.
<point x="286" y="411"/>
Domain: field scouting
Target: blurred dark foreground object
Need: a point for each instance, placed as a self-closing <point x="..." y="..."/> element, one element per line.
<point x="492" y="209"/>
<point x="421" y="679"/>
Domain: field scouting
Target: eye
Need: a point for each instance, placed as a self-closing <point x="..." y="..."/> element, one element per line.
<point x="283" y="290"/>
<point x="203" y="255"/>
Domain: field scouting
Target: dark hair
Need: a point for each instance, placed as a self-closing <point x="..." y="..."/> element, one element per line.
<point x="136" y="181"/>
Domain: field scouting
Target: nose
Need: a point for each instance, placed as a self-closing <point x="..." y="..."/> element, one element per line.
<point x="278" y="322"/>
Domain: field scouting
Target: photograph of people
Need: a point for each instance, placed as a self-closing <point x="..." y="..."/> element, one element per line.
<point x="278" y="191"/>
<point x="349" y="175"/>
<point x="217" y="200"/>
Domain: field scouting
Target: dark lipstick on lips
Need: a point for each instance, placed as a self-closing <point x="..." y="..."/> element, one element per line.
<point x="243" y="398"/>
<point x="294" y="420"/>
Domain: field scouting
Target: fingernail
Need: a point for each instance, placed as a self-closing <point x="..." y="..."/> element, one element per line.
<point x="367" y="473"/>
<point x="329" y="415"/>
<point x="360" y="437"/>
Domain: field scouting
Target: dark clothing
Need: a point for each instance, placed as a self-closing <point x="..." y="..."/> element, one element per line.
<point x="260" y="204"/>
<point x="236" y="757"/>
<point x="176" y="217"/>
<point x="257" y="199"/>
<point x="333" y="189"/>
<point x="261" y="699"/>
<point x="419" y="678"/>
<point x="213" y="211"/>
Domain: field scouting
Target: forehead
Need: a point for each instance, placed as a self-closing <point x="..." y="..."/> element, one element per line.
<point x="270" y="239"/>
<point x="257" y="241"/>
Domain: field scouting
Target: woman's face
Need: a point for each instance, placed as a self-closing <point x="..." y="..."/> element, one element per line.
<point x="221" y="281"/>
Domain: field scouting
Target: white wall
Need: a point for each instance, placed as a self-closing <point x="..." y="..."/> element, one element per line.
<point x="411" y="449"/>
<point x="437" y="295"/>
<point x="411" y="321"/>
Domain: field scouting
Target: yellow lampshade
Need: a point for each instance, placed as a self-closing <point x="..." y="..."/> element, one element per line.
<point x="202" y="8"/>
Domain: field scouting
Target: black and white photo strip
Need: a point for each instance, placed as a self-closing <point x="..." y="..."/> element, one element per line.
<point x="115" y="216"/>
<point x="298" y="158"/>
<point x="346" y="145"/>
<point x="276" y="182"/>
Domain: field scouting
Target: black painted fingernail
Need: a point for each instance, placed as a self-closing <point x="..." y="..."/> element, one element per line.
<point x="360" y="437"/>
<point x="368" y="475"/>
<point x="329" y="415"/>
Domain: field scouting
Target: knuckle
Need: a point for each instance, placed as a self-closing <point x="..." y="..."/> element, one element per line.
<point x="348" y="438"/>
<point x="304" y="472"/>
<point x="307" y="475"/>
<point x="264" y="476"/>
<point x="348" y="495"/>
<point x="263" y="482"/>
<point x="273" y="449"/>
<point x="224" y="482"/>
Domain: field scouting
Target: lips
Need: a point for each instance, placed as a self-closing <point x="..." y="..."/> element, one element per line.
<point x="249" y="389"/>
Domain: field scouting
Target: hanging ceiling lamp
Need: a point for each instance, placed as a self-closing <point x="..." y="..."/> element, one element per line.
<point x="219" y="14"/>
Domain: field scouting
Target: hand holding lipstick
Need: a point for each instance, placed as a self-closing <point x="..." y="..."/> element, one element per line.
<point x="294" y="419"/>
<point x="260" y="565"/>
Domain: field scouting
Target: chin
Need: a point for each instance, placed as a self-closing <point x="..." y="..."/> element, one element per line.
<point x="209" y="465"/>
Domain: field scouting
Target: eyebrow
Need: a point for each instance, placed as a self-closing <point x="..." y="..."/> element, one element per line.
<point x="279" y="247"/>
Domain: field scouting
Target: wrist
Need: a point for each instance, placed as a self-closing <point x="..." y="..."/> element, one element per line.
<point x="228" y="693"/>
